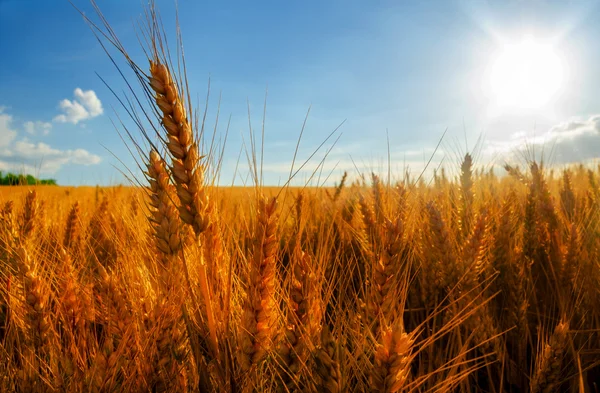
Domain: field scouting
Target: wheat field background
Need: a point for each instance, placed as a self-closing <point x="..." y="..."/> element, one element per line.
<point x="467" y="283"/>
<point x="482" y="284"/>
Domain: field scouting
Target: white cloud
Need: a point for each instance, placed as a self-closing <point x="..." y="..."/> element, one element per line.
<point x="86" y="105"/>
<point x="26" y="149"/>
<point x="22" y="155"/>
<point x="83" y="157"/>
<point x="7" y="134"/>
<point x="36" y="127"/>
<point x="573" y="141"/>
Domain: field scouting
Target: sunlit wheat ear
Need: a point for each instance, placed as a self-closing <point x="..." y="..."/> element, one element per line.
<point x="187" y="168"/>
<point x="303" y="318"/>
<point x="36" y="299"/>
<point x="299" y="205"/>
<point x="391" y="367"/>
<point x="348" y="211"/>
<point x="570" y="268"/>
<point x="101" y="239"/>
<point x="170" y="343"/>
<point x="70" y="301"/>
<point x="515" y="173"/>
<point x="378" y="198"/>
<point x="7" y="217"/>
<point x="385" y="299"/>
<point x="164" y="217"/>
<point x="369" y="221"/>
<point x="8" y="237"/>
<point x="440" y="255"/>
<point x="466" y="193"/>
<point x="9" y="265"/>
<point x="118" y="343"/>
<point x="547" y="373"/>
<point x="258" y="318"/>
<point x="593" y="183"/>
<point x="72" y="229"/>
<point x="215" y="257"/>
<point x="511" y="269"/>
<point x="188" y="172"/>
<point x="539" y="188"/>
<point x="27" y="224"/>
<point x="117" y="313"/>
<point x="475" y="253"/>
<point x="340" y="187"/>
<point x="567" y="196"/>
<point x="542" y="230"/>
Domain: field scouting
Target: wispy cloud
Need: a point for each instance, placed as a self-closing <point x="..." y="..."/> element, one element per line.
<point x="7" y="134"/>
<point x="576" y="140"/>
<point x="21" y="154"/>
<point x="86" y="105"/>
<point x="37" y="127"/>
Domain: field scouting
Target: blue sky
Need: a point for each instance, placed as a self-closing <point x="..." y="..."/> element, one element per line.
<point x="408" y="69"/>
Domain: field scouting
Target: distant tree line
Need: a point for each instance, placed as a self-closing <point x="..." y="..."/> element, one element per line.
<point x="10" y="179"/>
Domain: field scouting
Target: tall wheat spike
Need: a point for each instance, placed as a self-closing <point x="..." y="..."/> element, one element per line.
<point x="187" y="171"/>
<point x="391" y="367"/>
<point x="258" y="319"/>
<point x="466" y="193"/>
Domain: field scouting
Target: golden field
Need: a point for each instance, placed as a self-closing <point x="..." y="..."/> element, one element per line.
<point x="478" y="284"/>
<point x="467" y="283"/>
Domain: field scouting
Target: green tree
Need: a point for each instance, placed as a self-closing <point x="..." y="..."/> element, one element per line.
<point x="11" y="179"/>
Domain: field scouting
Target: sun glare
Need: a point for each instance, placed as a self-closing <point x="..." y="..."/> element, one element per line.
<point x="526" y="75"/>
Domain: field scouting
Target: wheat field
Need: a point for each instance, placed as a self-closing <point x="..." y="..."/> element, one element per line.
<point x="467" y="283"/>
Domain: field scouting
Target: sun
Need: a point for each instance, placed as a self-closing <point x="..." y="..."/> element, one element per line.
<point x="526" y="75"/>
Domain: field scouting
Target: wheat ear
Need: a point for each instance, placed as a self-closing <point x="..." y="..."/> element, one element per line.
<point x="303" y="318"/>
<point x="29" y="214"/>
<point x="385" y="274"/>
<point x="327" y="359"/>
<point x="170" y="344"/>
<point x="466" y="193"/>
<point x="441" y="261"/>
<point x="164" y="216"/>
<point x="36" y="301"/>
<point x="547" y="373"/>
<point x="392" y="360"/>
<point x="72" y="228"/>
<point x="188" y="172"/>
<point x="259" y="309"/>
